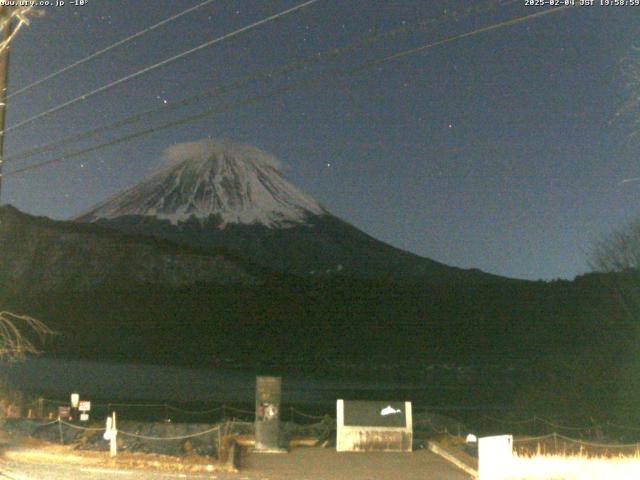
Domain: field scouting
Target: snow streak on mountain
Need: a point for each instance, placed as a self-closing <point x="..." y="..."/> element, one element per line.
<point x="235" y="184"/>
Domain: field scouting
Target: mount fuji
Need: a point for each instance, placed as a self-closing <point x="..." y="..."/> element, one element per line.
<point x="235" y="184"/>
<point x="213" y="193"/>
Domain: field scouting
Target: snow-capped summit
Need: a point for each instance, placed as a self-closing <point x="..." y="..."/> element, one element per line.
<point x="235" y="184"/>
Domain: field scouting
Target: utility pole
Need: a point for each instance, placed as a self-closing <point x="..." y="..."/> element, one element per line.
<point x="5" y="34"/>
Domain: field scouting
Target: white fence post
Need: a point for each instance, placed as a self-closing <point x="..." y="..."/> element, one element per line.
<point x="495" y="455"/>
<point x="110" y="434"/>
<point x="113" y="446"/>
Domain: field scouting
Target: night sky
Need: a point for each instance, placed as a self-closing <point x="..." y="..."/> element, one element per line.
<point x="500" y="151"/>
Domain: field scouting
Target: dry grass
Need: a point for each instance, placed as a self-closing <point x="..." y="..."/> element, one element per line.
<point x="574" y="467"/>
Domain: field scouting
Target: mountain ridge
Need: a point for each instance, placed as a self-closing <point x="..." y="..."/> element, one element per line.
<point x="40" y="254"/>
<point x="220" y="194"/>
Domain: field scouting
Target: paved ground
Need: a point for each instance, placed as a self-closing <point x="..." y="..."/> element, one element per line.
<point x="300" y="464"/>
<point x="327" y="464"/>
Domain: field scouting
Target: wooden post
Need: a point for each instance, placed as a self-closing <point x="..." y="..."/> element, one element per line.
<point x="113" y="446"/>
<point x="60" y="429"/>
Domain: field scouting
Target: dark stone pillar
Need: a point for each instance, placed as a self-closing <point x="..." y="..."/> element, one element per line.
<point x="268" y="396"/>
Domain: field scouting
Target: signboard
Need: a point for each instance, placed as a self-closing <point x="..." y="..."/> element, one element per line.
<point x="84" y="406"/>
<point x="84" y="417"/>
<point x="75" y="398"/>
<point x="374" y="426"/>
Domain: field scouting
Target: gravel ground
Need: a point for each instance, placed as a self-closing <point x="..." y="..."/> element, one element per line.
<point x="301" y="464"/>
<point x="11" y="470"/>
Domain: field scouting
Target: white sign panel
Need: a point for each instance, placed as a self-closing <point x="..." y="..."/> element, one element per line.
<point x="495" y="457"/>
<point x="374" y="426"/>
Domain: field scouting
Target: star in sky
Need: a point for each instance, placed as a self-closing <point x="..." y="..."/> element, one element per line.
<point x="508" y="86"/>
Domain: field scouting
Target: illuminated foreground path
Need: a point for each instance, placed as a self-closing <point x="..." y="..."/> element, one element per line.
<point x="300" y="464"/>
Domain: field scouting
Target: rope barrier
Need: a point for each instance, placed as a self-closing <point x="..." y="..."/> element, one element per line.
<point x="239" y="422"/>
<point x="138" y="405"/>
<point x="229" y="425"/>
<point x="532" y="439"/>
<point x="624" y="427"/>
<point x="40" y="424"/>
<point x="239" y="410"/>
<point x="555" y="436"/>
<point x="296" y="412"/>
<point x="306" y="415"/>
<point x="78" y="427"/>
<point x="58" y="402"/>
<point x="598" y="445"/>
<point x="196" y="412"/>
<point x="152" y="405"/>
<point x="536" y="419"/>
<point x="181" y="437"/>
<point x="563" y="427"/>
<point x="148" y="437"/>
<point x="48" y="423"/>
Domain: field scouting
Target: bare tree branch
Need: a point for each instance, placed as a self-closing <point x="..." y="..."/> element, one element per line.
<point x="14" y="344"/>
<point x="630" y="109"/>
<point x="618" y="256"/>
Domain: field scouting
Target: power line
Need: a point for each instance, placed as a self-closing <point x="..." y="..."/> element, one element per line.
<point x="261" y="75"/>
<point x="176" y="123"/>
<point x="283" y="90"/>
<point x="160" y="64"/>
<point x="109" y="48"/>
<point x="474" y="32"/>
